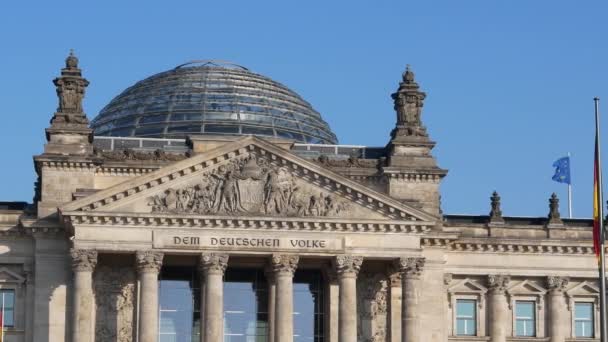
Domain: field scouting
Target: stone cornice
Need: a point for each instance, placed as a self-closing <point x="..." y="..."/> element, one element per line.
<point x="304" y="169"/>
<point x="266" y="223"/>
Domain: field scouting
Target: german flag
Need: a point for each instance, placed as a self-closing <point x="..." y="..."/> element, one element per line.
<point x="597" y="223"/>
<point x="2" y="323"/>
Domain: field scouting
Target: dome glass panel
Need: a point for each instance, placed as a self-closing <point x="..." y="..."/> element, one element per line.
<point x="211" y="97"/>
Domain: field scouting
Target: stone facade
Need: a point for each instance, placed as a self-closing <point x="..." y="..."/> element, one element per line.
<point x="84" y="259"/>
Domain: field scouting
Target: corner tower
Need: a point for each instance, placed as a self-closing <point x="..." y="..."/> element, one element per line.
<point x="413" y="174"/>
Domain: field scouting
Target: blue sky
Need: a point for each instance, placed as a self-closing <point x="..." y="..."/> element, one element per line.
<point x="509" y="83"/>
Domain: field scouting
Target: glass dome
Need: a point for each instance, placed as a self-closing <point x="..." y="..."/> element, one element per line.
<point x="211" y="97"/>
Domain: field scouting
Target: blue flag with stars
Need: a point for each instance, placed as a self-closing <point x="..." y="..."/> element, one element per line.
<point x="562" y="170"/>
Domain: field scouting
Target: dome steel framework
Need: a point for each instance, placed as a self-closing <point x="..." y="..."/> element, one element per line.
<point x="211" y="97"/>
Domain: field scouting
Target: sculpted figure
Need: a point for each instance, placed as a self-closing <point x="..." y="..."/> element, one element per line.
<point x="170" y="200"/>
<point x="229" y="200"/>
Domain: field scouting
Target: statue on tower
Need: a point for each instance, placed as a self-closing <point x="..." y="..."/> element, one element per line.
<point x="70" y="87"/>
<point x="408" y="104"/>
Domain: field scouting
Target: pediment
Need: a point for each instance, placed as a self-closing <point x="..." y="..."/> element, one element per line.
<point x="247" y="179"/>
<point x="585" y="288"/>
<point x="8" y="276"/>
<point x="526" y="287"/>
<point x="467" y="286"/>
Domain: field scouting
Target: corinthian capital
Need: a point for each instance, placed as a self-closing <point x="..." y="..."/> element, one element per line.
<point x="410" y="267"/>
<point x="148" y="261"/>
<point x="83" y="260"/>
<point x="498" y="282"/>
<point x="557" y="284"/>
<point x="214" y="262"/>
<point x="348" y="264"/>
<point x="284" y="263"/>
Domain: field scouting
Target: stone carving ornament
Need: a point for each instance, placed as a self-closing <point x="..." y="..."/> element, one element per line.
<point x="212" y="262"/>
<point x="348" y="264"/>
<point x="410" y="267"/>
<point x="148" y="261"/>
<point x="557" y="284"/>
<point x="128" y="154"/>
<point x="115" y="300"/>
<point x="248" y="186"/>
<point x="83" y="260"/>
<point x="372" y="304"/>
<point x="498" y="282"/>
<point x="285" y="263"/>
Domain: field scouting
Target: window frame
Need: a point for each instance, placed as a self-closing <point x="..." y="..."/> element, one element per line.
<point x="535" y="319"/>
<point x="593" y="318"/>
<point x="16" y="283"/>
<point x="475" y="315"/>
<point x="467" y="289"/>
<point x="585" y="291"/>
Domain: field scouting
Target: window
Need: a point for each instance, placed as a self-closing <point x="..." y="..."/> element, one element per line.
<point x="245" y="305"/>
<point x="179" y="303"/>
<point x="583" y="319"/>
<point x="466" y="317"/>
<point x="7" y="301"/>
<point x="308" y="306"/>
<point x="525" y="319"/>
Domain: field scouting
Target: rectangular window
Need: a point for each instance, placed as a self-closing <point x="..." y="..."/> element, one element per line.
<point x="525" y="318"/>
<point x="7" y="302"/>
<point x="466" y="317"/>
<point x="583" y="319"/>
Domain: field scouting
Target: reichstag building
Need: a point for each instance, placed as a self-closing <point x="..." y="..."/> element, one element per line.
<point x="210" y="203"/>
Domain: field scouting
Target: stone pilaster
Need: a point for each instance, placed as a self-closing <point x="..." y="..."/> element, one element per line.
<point x="411" y="271"/>
<point x="83" y="264"/>
<point x="272" y="302"/>
<point x="498" y="306"/>
<point x="347" y="268"/>
<point x="213" y="266"/>
<point x="148" y="265"/>
<point x="558" y="309"/>
<point x="284" y="266"/>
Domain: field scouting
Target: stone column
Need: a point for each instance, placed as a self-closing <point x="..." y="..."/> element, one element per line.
<point x="411" y="270"/>
<point x="213" y="266"/>
<point x="347" y="268"/>
<point x="83" y="264"/>
<point x="498" y="307"/>
<point x="284" y="266"/>
<point x="272" y="295"/>
<point x="148" y="265"/>
<point x="558" y="309"/>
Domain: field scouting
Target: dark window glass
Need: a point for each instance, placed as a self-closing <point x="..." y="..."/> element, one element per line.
<point x="125" y="132"/>
<point x="583" y="319"/>
<point x="290" y="135"/>
<point x="179" y="305"/>
<point x="152" y="119"/>
<point x="525" y="318"/>
<point x="149" y="130"/>
<point x="186" y="117"/>
<point x="7" y="302"/>
<point x="245" y="305"/>
<point x="184" y="129"/>
<point x="221" y="129"/>
<point x="466" y="314"/>
<point x="258" y="130"/>
<point x="308" y="306"/>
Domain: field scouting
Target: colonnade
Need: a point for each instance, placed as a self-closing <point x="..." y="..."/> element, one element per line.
<point x="212" y="267"/>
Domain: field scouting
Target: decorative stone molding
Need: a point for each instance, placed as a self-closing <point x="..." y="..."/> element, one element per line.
<point x="554" y="216"/>
<point x="410" y="267"/>
<point x="128" y="154"/>
<point x="531" y="247"/>
<point x="526" y="289"/>
<point x="557" y="284"/>
<point x="351" y="162"/>
<point x="115" y="301"/>
<point x="285" y="263"/>
<point x="495" y="212"/>
<point x="148" y="261"/>
<point x="213" y="263"/>
<point x="348" y="265"/>
<point x="83" y="260"/>
<point x="447" y="278"/>
<point x="498" y="283"/>
<point x="266" y="223"/>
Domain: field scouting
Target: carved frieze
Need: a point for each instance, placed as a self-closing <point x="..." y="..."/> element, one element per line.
<point x="213" y="263"/>
<point x="284" y="263"/>
<point x="148" y="261"/>
<point x="372" y="304"/>
<point x="83" y="260"/>
<point x="348" y="265"/>
<point x="128" y="154"/>
<point x="249" y="186"/>
<point x="115" y="300"/>
<point x="350" y="162"/>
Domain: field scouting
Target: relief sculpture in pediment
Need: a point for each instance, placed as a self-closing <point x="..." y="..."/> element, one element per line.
<point x="249" y="186"/>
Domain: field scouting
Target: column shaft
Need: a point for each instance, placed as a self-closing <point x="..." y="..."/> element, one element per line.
<point x="499" y="308"/>
<point x="83" y="325"/>
<point x="148" y="266"/>
<point x="347" y="268"/>
<point x="411" y="270"/>
<point x="284" y="266"/>
<point x="558" y="310"/>
<point x="272" y="292"/>
<point x="213" y="265"/>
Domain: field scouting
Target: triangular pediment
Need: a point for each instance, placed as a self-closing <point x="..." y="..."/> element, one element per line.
<point x="585" y="288"/>
<point x="8" y="276"/>
<point x="526" y="287"/>
<point x="467" y="286"/>
<point x="250" y="178"/>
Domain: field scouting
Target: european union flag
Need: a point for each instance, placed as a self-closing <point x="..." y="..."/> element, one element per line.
<point x="562" y="170"/>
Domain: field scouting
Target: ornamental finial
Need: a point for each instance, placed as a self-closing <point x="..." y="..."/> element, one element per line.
<point x="554" y="216"/>
<point x="495" y="211"/>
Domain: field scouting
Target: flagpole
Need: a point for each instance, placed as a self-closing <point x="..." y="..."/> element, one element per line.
<point x="602" y="273"/>
<point x="2" y="335"/>
<point x="570" y="187"/>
